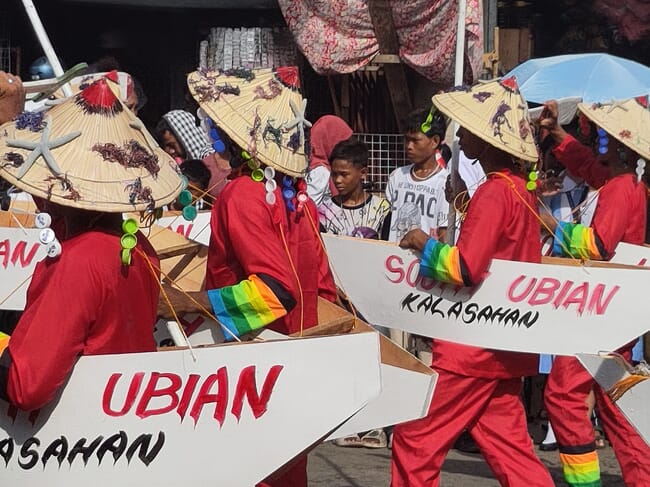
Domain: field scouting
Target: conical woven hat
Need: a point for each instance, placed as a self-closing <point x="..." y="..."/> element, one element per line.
<point x="88" y="152"/>
<point x="260" y="110"/>
<point x="496" y="112"/>
<point x="627" y="120"/>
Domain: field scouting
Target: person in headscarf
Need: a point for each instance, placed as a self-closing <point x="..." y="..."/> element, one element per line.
<point x="179" y="136"/>
<point x="326" y="132"/>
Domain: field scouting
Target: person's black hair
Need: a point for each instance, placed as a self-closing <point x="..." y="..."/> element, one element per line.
<point x="196" y="172"/>
<point x="414" y="120"/>
<point x="445" y="152"/>
<point x="161" y="127"/>
<point x="351" y="150"/>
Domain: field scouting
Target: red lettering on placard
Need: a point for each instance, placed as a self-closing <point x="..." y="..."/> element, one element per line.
<point x="131" y="395"/>
<point x="391" y="260"/>
<point x="181" y="229"/>
<point x="220" y="398"/>
<point x="544" y="291"/>
<point x="247" y="387"/>
<point x="585" y="296"/>
<point x="153" y="390"/>
<point x="20" y="253"/>
<point x="522" y="296"/>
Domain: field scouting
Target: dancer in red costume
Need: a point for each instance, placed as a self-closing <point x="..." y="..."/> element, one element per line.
<point x="620" y="216"/>
<point x="266" y="265"/>
<point x="82" y="300"/>
<point x="479" y="390"/>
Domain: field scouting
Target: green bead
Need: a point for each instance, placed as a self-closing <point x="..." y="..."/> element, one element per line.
<point x="185" y="198"/>
<point x="531" y="186"/>
<point x="189" y="213"/>
<point x="532" y="176"/>
<point x="257" y="175"/>
<point x="126" y="256"/>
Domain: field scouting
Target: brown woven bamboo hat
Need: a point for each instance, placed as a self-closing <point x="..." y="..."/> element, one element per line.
<point x="494" y="111"/>
<point x="88" y="152"/>
<point x="260" y="110"/>
<point x="627" y="120"/>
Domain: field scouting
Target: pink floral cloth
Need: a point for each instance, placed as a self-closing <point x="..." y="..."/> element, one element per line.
<point x="632" y="17"/>
<point x="337" y="36"/>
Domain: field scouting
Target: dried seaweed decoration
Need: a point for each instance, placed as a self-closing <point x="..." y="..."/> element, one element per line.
<point x="42" y="148"/>
<point x="272" y="133"/>
<point x="66" y="185"/>
<point x="499" y="119"/>
<point x="481" y="96"/>
<point x="139" y="193"/>
<point x="13" y="159"/>
<point x="254" y="134"/>
<point x="34" y="121"/>
<point x="243" y="73"/>
<point x="274" y="90"/>
<point x="130" y="155"/>
<point x="98" y="98"/>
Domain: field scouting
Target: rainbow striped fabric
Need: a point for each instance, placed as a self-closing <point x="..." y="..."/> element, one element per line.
<point x="4" y="341"/>
<point x="581" y="470"/>
<point x="576" y="240"/>
<point x="245" y="307"/>
<point x="441" y="262"/>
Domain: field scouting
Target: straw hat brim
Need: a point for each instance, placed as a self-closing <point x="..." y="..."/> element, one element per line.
<point x="494" y="113"/>
<point x="628" y="121"/>
<point x="263" y="127"/>
<point x="86" y="180"/>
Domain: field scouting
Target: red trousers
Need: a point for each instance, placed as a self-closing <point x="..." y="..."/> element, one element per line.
<point x="293" y="475"/>
<point x="565" y="398"/>
<point x="491" y="410"/>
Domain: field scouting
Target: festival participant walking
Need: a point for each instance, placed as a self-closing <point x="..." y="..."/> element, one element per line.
<point x="622" y="135"/>
<point x="87" y="160"/>
<point x="479" y="389"/>
<point x="266" y="265"/>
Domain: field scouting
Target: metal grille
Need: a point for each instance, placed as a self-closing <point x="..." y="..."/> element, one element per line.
<point x="386" y="154"/>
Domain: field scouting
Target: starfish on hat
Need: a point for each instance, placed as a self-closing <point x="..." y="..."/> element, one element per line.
<point x="299" y="121"/>
<point x="614" y="104"/>
<point x="42" y="148"/>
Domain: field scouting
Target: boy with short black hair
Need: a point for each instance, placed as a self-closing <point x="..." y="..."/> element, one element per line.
<point x="417" y="192"/>
<point x="352" y="211"/>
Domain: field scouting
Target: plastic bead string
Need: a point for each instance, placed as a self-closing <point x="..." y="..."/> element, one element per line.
<point x="47" y="236"/>
<point x="128" y="240"/>
<point x="603" y="141"/>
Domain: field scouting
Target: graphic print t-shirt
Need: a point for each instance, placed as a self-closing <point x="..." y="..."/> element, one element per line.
<point x="416" y="204"/>
<point x="364" y="220"/>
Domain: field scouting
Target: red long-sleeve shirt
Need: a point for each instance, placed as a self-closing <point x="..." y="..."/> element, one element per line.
<point x="499" y="225"/>
<point x="249" y="236"/>
<point x="84" y="302"/>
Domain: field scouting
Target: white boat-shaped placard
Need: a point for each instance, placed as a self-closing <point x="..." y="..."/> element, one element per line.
<point x="230" y="418"/>
<point x="20" y="250"/>
<point x="540" y="308"/>
<point x="609" y="371"/>
<point x="197" y="230"/>
<point x="631" y="254"/>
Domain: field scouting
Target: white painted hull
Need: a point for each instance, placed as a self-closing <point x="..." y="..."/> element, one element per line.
<point x="228" y="441"/>
<point x="538" y="308"/>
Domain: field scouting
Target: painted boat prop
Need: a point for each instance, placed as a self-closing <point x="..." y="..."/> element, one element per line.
<point x="407" y="384"/>
<point x="632" y="255"/>
<point x="197" y="230"/>
<point x="162" y="418"/>
<point x="614" y="374"/>
<point x="555" y="307"/>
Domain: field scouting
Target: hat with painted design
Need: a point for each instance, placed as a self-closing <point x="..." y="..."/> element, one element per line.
<point x="494" y="111"/>
<point x="88" y="152"/>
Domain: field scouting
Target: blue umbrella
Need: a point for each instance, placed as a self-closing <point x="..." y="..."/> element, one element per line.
<point x="594" y="77"/>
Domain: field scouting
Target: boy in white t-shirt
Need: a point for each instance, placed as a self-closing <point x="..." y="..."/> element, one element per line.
<point x="417" y="192"/>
